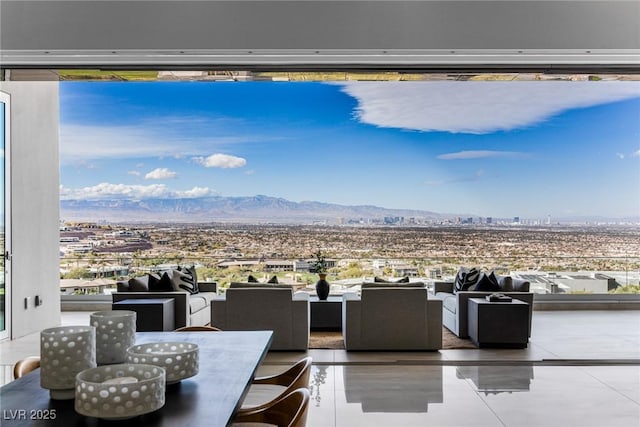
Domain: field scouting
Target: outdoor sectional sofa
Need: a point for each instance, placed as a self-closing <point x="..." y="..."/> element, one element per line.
<point x="455" y="304"/>
<point x="192" y="303"/>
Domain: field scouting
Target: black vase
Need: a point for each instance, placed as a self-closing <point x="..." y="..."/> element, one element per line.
<point x="322" y="288"/>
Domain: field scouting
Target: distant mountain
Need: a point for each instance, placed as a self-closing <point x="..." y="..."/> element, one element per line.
<point x="257" y="209"/>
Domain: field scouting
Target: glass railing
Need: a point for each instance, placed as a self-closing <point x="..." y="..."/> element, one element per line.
<point x="93" y="274"/>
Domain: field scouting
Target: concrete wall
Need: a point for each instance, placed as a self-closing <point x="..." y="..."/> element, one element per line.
<point x="34" y="204"/>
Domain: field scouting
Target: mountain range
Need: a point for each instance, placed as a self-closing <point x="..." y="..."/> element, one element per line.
<point x="262" y="209"/>
<point x="255" y="209"/>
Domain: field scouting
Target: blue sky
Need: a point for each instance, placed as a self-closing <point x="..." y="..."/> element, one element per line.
<point x="500" y="149"/>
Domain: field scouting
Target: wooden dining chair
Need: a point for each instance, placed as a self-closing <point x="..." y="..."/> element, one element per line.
<point x="198" y="329"/>
<point x="269" y="388"/>
<point x="289" y="410"/>
<point x="26" y="365"/>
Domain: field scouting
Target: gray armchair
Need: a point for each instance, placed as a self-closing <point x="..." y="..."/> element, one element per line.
<point x="392" y="317"/>
<point x="251" y="306"/>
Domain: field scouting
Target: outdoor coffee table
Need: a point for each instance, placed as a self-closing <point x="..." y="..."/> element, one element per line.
<point x="326" y="315"/>
<point x="498" y="324"/>
<point x="152" y="315"/>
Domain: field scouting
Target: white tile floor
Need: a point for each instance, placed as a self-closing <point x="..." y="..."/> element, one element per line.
<point x="581" y="368"/>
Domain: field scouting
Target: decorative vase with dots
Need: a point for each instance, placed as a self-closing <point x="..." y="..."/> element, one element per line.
<point x="64" y="353"/>
<point x="115" y="332"/>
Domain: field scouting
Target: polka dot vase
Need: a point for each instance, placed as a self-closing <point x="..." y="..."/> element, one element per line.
<point x="180" y="359"/>
<point x="65" y="352"/>
<point x="117" y="392"/>
<point x="115" y="332"/>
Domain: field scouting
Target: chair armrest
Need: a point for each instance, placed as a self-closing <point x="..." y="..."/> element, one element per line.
<point x="301" y="296"/>
<point x="219" y="312"/>
<point x="301" y="319"/>
<point x="351" y="322"/>
<point x="208" y="286"/>
<point x="350" y="296"/>
<point x="442" y="287"/>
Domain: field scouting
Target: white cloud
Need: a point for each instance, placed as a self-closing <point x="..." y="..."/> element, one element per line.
<point x="161" y="173"/>
<point x="148" y="139"/>
<point x="223" y="161"/>
<point x="480" y="154"/>
<point x="477" y="107"/>
<point x="620" y="156"/>
<point x="134" y="173"/>
<point x="107" y="190"/>
<point x="194" y="192"/>
<point x="636" y="154"/>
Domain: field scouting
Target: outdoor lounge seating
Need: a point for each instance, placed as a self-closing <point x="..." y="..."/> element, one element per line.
<point x="255" y="306"/>
<point x="192" y="303"/>
<point x="391" y="317"/>
<point x="455" y="304"/>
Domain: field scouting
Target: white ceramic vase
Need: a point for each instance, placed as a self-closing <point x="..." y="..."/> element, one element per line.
<point x="64" y="352"/>
<point x="115" y="332"/>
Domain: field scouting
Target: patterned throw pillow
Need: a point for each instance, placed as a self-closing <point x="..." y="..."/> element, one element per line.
<point x="465" y="279"/>
<point x="181" y="280"/>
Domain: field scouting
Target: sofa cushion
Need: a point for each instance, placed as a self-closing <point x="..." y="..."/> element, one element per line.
<point x="520" y="285"/>
<point x="450" y="302"/>
<point x="181" y="280"/>
<point x="161" y="284"/>
<point x="259" y="285"/>
<point x="252" y="279"/>
<point x="486" y="283"/>
<point x="465" y="278"/>
<point x="370" y="285"/>
<point x="506" y="284"/>
<point x="199" y="301"/>
<point x="139" y="284"/>
<point x="404" y="279"/>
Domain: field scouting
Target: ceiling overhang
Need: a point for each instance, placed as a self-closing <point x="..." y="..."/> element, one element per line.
<point x="427" y="34"/>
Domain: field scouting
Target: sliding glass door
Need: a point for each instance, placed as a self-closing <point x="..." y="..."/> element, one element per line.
<point x="5" y="285"/>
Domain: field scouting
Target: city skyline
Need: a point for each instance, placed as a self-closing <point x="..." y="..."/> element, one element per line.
<point x="501" y="149"/>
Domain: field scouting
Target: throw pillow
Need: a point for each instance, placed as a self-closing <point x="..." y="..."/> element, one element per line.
<point x="520" y="285"/>
<point x="139" y="284"/>
<point x="506" y="284"/>
<point x="486" y="283"/>
<point x="190" y="271"/>
<point x="122" y="286"/>
<point x="183" y="281"/>
<point x="465" y="278"/>
<point x="404" y="279"/>
<point x="161" y="283"/>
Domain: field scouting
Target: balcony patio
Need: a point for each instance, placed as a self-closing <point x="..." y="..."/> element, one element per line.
<point x="580" y="368"/>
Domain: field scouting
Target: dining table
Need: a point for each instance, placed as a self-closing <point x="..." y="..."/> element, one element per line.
<point x="228" y="361"/>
